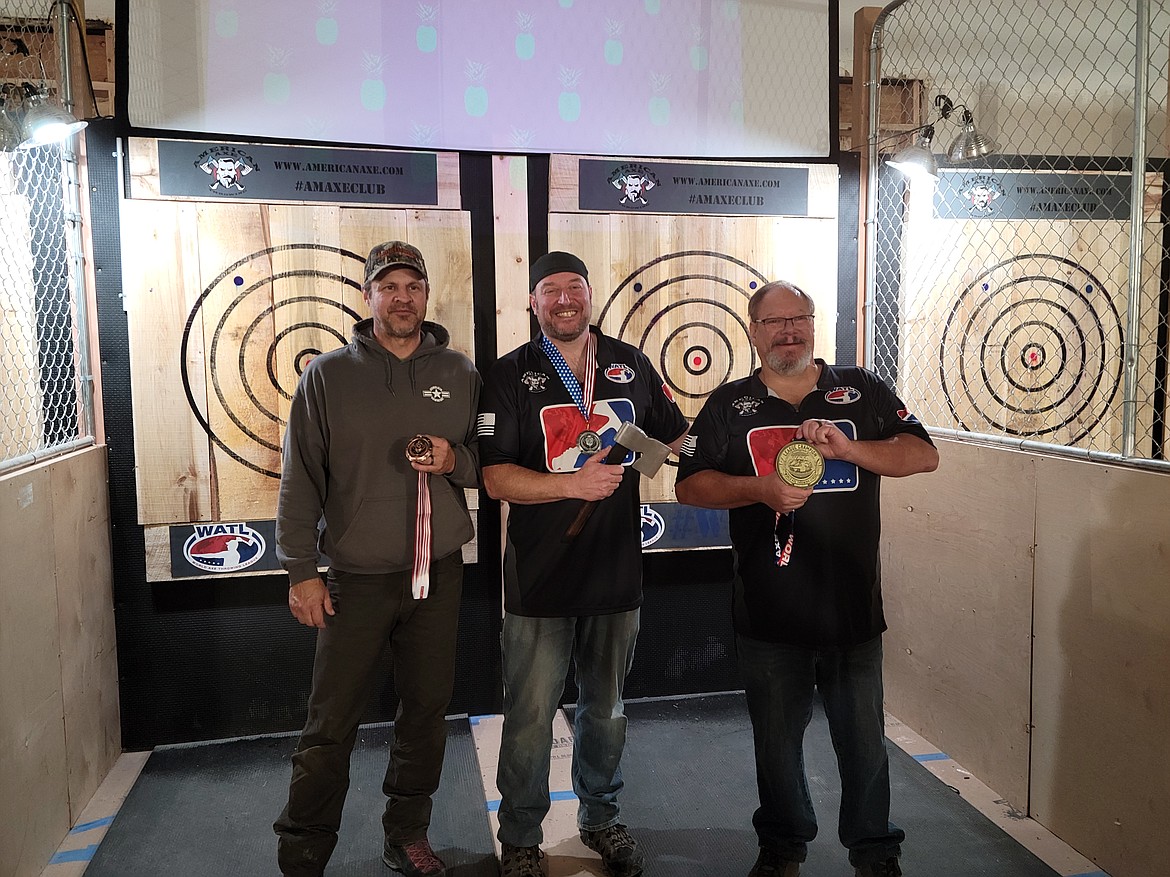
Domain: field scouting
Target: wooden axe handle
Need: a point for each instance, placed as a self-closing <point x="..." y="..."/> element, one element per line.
<point x="616" y="454"/>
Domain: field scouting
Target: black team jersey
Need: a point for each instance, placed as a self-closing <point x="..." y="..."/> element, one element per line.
<point x="528" y="418"/>
<point x="826" y="592"/>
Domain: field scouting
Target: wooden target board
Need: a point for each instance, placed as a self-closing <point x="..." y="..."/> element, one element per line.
<point x="226" y="303"/>
<point x="1021" y="326"/>
<point x="677" y="288"/>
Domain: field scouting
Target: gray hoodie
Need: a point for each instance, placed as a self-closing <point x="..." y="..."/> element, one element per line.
<point x="352" y="414"/>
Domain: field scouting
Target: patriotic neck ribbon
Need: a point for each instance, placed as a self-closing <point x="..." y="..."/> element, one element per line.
<point x="420" y="577"/>
<point x="785" y="537"/>
<point x="582" y="396"/>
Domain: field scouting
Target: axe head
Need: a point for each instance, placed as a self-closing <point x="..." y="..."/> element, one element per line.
<point x="651" y="452"/>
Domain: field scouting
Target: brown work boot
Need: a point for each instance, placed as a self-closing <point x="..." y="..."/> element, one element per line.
<point x="619" y="851"/>
<point x="415" y="859"/>
<point x="769" y="864"/>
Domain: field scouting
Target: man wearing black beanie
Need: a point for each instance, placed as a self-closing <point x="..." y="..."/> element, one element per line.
<point x="548" y="417"/>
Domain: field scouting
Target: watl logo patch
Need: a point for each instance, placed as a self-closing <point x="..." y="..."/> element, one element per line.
<point x="223" y="547"/>
<point x="843" y="395"/>
<point x="653" y="526"/>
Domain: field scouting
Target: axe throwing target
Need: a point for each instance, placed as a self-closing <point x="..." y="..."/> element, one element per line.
<point x="243" y="348"/>
<point x="683" y="310"/>
<point x="1033" y="346"/>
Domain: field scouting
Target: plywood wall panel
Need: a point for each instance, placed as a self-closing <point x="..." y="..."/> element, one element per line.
<point x="957" y="582"/>
<point x="162" y="283"/>
<point x="34" y="809"/>
<point x="85" y="600"/>
<point x="510" y="203"/>
<point x="1100" y="764"/>
<point x="444" y="238"/>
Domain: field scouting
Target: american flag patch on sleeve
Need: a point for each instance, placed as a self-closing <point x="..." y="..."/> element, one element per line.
<point x="690" y="445"/>
<point x="485" y="424"/>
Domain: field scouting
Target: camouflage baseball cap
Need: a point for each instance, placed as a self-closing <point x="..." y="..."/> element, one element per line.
<point x="394" y="254"/>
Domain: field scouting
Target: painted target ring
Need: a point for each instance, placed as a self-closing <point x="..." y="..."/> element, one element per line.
<point x="1033" y="347"/>
<point x="249" y="364"/>
<point x="685" y="310"/>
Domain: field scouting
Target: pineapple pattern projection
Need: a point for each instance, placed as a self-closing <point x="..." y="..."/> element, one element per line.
<point x="276" y="85"/>
<point x="569" y="102"/>
<point x="227" y="22"/>
<point x="613" y="43"/>
<point x="425" y="35"/>
<point x="525" y="41"/>
<point x="475" y="96"/>
<point x="373" y="89"/>
<point x="327" y="24"/>
<point x="698" y="51"/>
<point x="659" y="103"/>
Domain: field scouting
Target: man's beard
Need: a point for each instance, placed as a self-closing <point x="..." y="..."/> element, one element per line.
<point x="403" y="326"/>
<point x="567" y="334"/>
<point x="789" y="366"/>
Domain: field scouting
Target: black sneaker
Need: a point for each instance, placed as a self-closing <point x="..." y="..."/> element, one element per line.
<point x="520" y="861"/>
<point x="888" y="868"/>
<point x="769" y="864"/>
<point x="415" y="859"/>
<point x="619" y="852"/>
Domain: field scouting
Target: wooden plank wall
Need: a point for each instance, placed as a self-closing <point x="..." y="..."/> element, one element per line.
<point x="1101" y="693"/>
<point x="253" y="291"/>
<point x="963" y="605"/>
<point x="59" y="722"/>
<point x="677" y="287"/>
<point x="957" y="582"/>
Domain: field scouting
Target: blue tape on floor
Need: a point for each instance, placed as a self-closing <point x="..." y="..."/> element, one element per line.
<point x="89" y="826"/>
<point x="475" y="720"/>
<point x="82" y="855"/>
<point x="1090" y="874"/>
<point x="932" y="756"/>
<point x="494" y="806"/>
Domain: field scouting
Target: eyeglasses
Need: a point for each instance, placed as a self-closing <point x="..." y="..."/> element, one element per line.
<point x="800" y="321"/>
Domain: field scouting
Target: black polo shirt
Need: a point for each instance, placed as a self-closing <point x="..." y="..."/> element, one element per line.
<point x="528" y="418"/>
<point x="828" y="594"/>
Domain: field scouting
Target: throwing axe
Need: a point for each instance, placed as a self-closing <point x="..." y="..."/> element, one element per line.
<point x="651" y="455"/>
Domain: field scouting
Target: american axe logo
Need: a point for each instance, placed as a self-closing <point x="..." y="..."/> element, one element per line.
<point x="981" y="191"/>
<point x="226" y="165"/>
<point x="653" y="526"/>
<point x="633" y="181"/>
<point x="223" y="548"/>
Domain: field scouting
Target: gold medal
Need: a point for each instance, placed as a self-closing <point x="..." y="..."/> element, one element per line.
<point x="419" y="449"/>
<point x="800" y="464"/>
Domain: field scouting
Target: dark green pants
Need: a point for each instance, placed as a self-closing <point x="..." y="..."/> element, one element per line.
<point x="371" y="610"/>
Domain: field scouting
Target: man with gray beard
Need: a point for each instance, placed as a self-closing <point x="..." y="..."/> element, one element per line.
<point x="807" y="601"/>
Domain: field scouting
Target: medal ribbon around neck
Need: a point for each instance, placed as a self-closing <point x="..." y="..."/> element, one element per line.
<point x="582" y="396"/>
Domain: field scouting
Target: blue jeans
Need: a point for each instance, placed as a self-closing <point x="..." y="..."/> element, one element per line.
<point x="536" y="654"/>
<point x="779" y="681"/>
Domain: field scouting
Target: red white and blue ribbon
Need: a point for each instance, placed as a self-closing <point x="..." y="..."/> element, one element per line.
<point x="582" y="396"/>
<point x="420" y="578"/>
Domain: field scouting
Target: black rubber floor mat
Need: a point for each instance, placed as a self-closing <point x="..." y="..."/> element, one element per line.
<point x="690" y="791"/>
<point x="206" y="810"/>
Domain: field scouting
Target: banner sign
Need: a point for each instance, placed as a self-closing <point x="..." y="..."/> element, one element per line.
<point x="995" y="195"/>
<point x="669" y="187"/>
<point x="671" y="526"/>
<point x="215" y="548"/>
<point x="296" y="173"/>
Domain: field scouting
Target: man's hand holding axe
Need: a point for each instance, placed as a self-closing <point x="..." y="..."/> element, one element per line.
<point x="601" y="475"/>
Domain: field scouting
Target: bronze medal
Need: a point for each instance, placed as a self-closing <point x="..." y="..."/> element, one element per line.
<point x="800" y="464"/>
<point x="419" y="449"/>
<point x="589" y="442"/>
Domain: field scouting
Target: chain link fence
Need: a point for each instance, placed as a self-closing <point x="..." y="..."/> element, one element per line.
<point x="1023" y="296"/>
<point x="45" y="399"/>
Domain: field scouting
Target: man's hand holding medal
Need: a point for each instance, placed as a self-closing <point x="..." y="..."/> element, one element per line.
<point x="431" y="454"/>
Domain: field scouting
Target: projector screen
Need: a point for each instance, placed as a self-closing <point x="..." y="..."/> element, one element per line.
<point x="691" y="78"/>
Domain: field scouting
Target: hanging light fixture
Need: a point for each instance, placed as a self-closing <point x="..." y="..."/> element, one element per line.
<point x="918" y="161"/>
<point x="970" y="142"/>
<point x="45" y="123"/>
